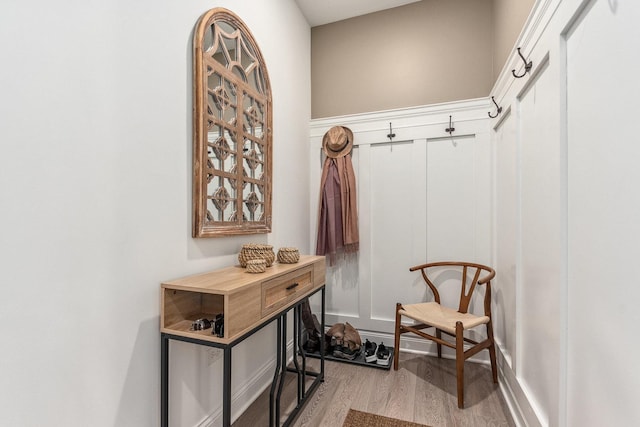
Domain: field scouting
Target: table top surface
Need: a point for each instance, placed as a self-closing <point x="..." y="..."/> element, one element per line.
<point x="231" y="279"/>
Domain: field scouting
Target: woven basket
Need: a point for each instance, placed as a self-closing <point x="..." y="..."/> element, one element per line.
<point x="288" y="255"/>
<point x="256" y="266"/>
<point x="253" y="251"/>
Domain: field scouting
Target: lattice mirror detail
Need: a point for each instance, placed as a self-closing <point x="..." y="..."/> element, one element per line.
<point x="232" y="119"/>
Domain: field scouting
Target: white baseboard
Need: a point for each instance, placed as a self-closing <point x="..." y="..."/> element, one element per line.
<point x="522" y="411"/>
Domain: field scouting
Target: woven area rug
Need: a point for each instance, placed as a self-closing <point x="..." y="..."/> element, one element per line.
<point x="365" y="419"/>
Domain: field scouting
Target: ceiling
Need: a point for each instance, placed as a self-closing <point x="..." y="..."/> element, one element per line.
<point x="326" y="11"/>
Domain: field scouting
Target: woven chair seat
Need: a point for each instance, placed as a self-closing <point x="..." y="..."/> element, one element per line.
<point x="444" y="318"/>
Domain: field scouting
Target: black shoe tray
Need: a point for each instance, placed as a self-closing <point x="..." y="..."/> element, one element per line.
<point x="359" y="360"/>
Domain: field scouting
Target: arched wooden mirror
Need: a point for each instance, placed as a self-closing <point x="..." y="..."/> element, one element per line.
<point x="232" y="136"/>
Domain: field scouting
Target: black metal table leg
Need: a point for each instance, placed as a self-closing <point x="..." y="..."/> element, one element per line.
<point x="283" y="366"/>
<point x="302" y="380"/>
<point x="297" y="341"/>
<point x="226" y="388"/>
<point x="322" y="340"/>
<point x="276" y="374"/>
<point x="164" y="381"/>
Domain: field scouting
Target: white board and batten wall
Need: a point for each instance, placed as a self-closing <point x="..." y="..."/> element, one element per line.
<point x="424" y="195"/>
<point x="546" y="193"/>
<point x="566" y="215"/>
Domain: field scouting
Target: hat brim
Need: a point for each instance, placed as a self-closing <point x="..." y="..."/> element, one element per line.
<point x="344" y="150"/>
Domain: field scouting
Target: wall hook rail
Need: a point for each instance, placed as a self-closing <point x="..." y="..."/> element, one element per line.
<point x="391" y="135"/>
<point x="450" y="129"/>
<point x="498" y="109"/>
<point x="527" y="66"/>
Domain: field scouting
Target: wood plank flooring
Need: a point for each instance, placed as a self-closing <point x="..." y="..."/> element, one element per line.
<point x="423" y="390"/>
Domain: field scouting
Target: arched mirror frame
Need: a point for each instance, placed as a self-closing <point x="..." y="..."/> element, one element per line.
<point x="232" y="130"/>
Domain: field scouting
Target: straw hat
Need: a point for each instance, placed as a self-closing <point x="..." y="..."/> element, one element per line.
<point x="337" y="142"/>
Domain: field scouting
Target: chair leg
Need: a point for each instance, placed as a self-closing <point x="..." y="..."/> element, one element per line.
<point x="396" y="343"/>
<point x="492" y="352"/>
<point x="460" y="363"/>
<point x="439" y="336"/>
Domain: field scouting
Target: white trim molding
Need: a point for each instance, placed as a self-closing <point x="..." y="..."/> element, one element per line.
<point x="407" y="123"/>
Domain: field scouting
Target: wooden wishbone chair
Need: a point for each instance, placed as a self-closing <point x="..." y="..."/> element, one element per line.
<point x="452" y="322"/>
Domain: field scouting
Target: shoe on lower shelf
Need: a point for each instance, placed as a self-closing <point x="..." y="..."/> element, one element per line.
<point x="336" y="331"/>
<point x="335" y="335"/>
<point x="370" y="351"/>
<point x="383" y="355"/>
<point x="313" y="344"/>
<point x="352" y="336"/>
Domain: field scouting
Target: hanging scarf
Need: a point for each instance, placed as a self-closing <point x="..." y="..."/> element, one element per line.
<point x="337" y="212"/>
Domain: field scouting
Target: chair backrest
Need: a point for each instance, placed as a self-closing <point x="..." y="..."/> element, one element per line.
<point x="482" y="275"/>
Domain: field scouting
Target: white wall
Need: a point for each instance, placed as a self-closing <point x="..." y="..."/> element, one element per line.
<point x="95" y="203"/>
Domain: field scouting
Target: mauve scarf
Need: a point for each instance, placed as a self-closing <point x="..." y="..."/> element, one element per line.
<point x="337" y="212"/>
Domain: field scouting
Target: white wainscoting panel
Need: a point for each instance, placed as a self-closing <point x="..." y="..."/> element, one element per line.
<point x="507" y="231"/>
<point x="398" y="238"/>
<point x="423" y="196"/>
<point x="539" y="312"/>
<point x="459" y="198"/>
<point x="603" y="214"/>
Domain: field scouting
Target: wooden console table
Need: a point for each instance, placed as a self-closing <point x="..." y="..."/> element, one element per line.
<point x="248" y="303"/>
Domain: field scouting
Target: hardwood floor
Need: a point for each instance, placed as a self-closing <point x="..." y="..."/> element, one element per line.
<point x="423" y="390"/>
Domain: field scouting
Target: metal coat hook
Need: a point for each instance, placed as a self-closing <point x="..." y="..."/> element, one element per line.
<point x="527" y="66"/>
<point x="498" y="109"/>
<point x="450" y="129"/>
<point x="391" y="135"/>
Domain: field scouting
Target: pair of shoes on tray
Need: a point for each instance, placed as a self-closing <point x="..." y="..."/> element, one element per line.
<point x="370" y="351"/>
<point x="345" y="341"/>
<point x="383" y="356"/>
<point x="378" y="354"/>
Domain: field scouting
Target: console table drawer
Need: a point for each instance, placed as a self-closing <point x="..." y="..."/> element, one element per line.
<point x="280" y="291"/>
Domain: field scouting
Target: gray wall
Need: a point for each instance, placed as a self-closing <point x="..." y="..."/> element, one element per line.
<point x="423" y="53"/>
<point x="509" y="17"/>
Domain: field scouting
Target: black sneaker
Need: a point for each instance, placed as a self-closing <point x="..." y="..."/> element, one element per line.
<point x="344" y="352"/>
<point x="336" y="350"/>
<point x="312" y="345"/>
<point x="370" y="351"/>
<point x="382" y="355"/>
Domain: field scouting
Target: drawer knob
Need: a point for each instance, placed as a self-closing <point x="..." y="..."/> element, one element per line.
<point x="292" y="286"/>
